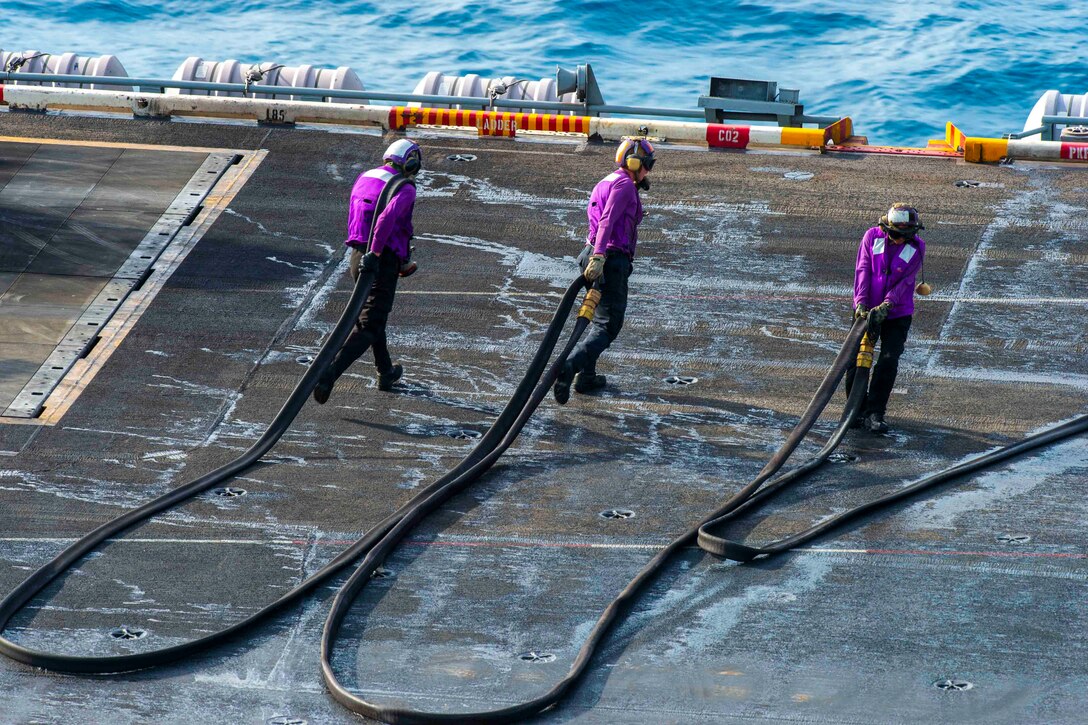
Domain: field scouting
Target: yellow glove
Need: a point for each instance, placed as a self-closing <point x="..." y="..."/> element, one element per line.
<point x="594" y="268"/>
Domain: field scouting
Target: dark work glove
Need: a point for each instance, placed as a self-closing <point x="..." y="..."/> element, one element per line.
<point x="861" y="311"/>
<point x="879" y="313"/>
<point x="369" y="262"/>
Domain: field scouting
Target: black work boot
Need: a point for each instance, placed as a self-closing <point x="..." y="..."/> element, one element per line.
<point x="588" y="382"/>
<point x="561" y="390"/>
<point x="874" y="423"/>
<point x="386" y="380"/>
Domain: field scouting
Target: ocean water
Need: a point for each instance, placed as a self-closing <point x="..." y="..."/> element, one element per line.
<point x="901" y="70"/>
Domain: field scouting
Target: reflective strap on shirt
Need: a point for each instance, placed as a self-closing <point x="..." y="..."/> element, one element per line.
<point x="383" y="174"/>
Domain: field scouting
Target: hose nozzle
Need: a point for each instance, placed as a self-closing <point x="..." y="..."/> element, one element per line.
<point x="865" y="352"/>
<point x="589" y="303"/>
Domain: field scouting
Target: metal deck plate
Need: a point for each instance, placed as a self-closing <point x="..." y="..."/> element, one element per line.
<point x="121" y="208"/>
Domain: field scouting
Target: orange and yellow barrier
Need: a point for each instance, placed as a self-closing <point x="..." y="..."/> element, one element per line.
<point x="487" y="123"/>
<point x="839" y="131"/>
<point x="954" y="138"/>
<point x="982" y="150"/>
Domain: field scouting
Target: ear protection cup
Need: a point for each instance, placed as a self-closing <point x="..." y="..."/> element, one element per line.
<point x="404" y="155"/>
<point x="413" y="163"/>
<point x="631" y="154"/>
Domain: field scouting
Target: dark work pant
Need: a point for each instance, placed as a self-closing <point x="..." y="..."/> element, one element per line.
<point x="370" y="329"/>
<point x="893" y="338"/>
<point x="608" y="318"/>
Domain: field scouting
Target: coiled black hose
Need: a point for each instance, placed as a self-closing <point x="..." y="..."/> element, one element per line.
<point x="36" y="582"/>
<point x="518" y="712"/>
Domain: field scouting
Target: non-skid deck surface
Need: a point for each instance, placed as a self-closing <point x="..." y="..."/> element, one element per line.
<point x="743" y="282"/>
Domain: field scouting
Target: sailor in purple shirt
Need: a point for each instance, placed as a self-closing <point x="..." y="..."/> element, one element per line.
<point x="615" y="212"/>
<point x="889" y="258"/>
<point x="392" y="232"/>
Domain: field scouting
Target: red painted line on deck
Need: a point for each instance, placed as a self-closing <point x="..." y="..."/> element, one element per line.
<point x="494" y="544"/>
<point x="654" y="547"/>
<point x="527" y="543"/>
<point x="750" y="297"/>
<point x="997" y="554"/>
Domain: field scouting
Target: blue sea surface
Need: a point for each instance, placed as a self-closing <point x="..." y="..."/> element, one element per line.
<point x="900" y="70"/>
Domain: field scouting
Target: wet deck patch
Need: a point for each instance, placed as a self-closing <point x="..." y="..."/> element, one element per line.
<point x="82" y="227"/>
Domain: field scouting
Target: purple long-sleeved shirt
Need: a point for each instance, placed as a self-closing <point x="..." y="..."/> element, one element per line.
<point x="394" y="225"/>
<point x="615" y="212"/>
<point x="887" y="271"/>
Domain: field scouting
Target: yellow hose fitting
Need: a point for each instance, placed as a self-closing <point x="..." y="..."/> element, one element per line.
<point x="865" y="352"/>
<point x="589" y="304"/>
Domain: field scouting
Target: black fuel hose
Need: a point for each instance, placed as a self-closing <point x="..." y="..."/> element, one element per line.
<point x="740" y="552"/>
<point x="710" y="542"/>
<point x="846" y="356"/>
<point x="745" y="499"/>
<point x="418" y="511"/>
<point x="36" y="582"/>
<point x="520" y="711"/>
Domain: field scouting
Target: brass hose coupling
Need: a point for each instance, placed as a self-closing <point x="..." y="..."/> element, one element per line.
<point x="589" y="304"/>
<point x="865" y="352"/>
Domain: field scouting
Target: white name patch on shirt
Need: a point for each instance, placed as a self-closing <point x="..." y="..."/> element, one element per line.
<point x="878" y="245"/>
<point x="908" y="253"/>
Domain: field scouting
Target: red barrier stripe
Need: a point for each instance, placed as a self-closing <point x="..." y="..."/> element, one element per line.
<point x="1075" y="151"/>
<point x="499" y="124"/>
<point x="726" y="137"/>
